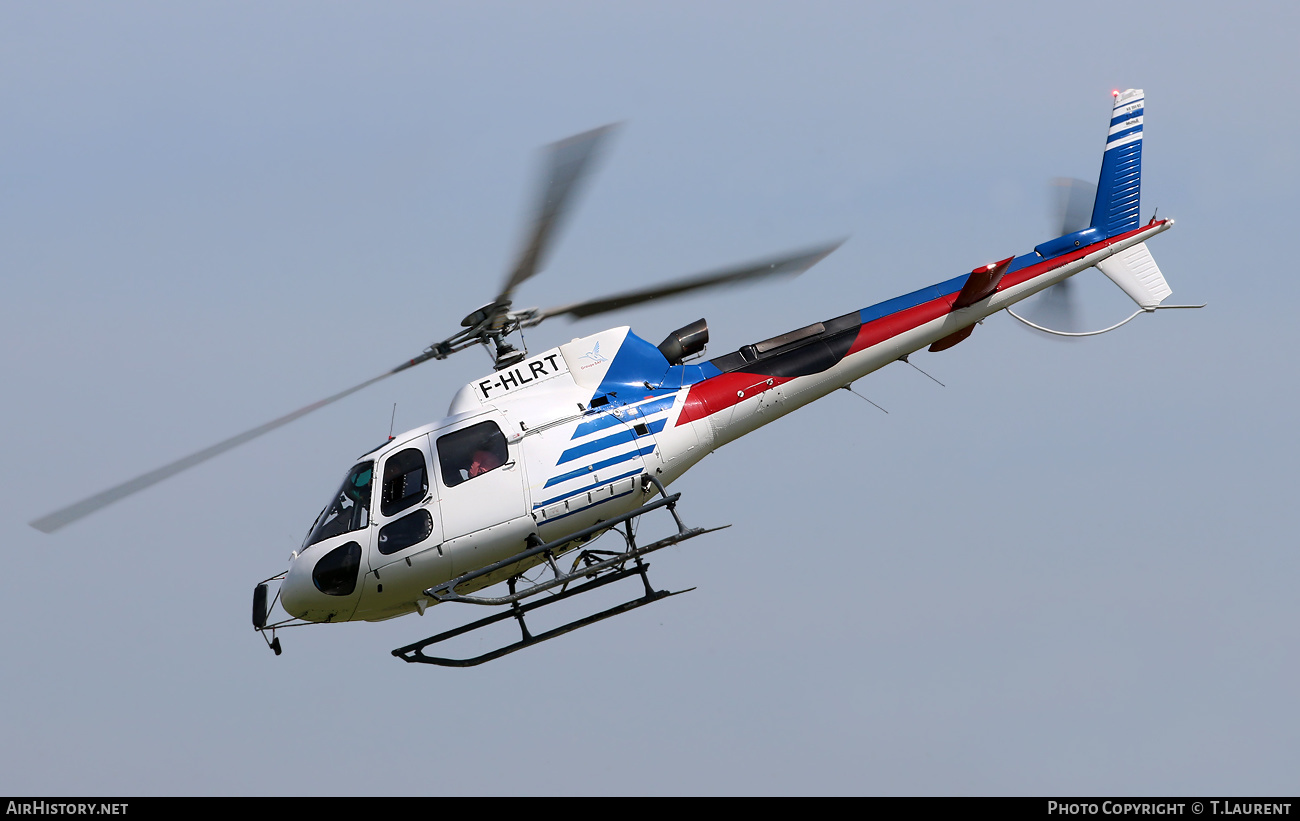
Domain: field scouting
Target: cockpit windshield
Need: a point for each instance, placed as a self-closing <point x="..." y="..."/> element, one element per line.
<point x="349" y="510"/>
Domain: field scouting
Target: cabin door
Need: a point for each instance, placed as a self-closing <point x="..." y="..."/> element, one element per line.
<point x="483" y="497"/>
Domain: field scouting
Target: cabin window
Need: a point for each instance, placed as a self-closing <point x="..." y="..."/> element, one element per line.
<point x="405" y="532"/>
<point x="471" y="452"/>
<point x="350" y="508"/>
<point x="406" y="481"/>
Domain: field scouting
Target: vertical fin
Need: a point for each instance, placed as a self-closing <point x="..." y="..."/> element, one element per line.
<point x="1120" y="185"/>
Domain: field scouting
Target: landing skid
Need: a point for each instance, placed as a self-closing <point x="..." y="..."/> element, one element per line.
<point x="591" y="569"/>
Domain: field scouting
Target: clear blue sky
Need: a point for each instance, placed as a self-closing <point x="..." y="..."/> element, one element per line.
<point x="1071" y="571"/>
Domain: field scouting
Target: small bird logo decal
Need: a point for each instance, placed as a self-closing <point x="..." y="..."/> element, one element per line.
<point x="594" y="355"/>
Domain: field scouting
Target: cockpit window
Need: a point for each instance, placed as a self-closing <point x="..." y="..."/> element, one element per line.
<point x="350" y="508"/>
<point x="471" y="452"/>
<point x="405" y="481"/>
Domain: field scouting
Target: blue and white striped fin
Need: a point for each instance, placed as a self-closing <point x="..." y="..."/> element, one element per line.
<point x="1120" y="186"/>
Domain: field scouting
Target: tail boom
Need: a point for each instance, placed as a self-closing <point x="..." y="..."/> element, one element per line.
<point x="748" y="390"/>
<point x="731" y="395"/>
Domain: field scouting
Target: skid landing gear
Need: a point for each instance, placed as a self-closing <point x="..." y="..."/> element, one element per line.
<point x="591" y="569"/>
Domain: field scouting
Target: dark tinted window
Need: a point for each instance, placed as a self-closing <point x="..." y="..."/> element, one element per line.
<point x="471" y="452"/>
<point x="406" y="481"/>
<point x="405" y="532"/>
<point x="335" y="574"/>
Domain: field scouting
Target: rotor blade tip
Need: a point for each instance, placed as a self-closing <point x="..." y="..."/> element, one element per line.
<point x="835" y="245"/>
<point x="43" y="526"/>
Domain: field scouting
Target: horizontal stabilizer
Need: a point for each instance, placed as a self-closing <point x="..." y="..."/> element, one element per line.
<point x="1134" y="270"/>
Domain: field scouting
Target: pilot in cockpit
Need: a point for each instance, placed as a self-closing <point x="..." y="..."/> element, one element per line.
<point x="483" y="462"/>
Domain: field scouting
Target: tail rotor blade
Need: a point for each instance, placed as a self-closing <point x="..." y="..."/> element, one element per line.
<point x="1058" y="307"/>
<point x="1073" y="200"/>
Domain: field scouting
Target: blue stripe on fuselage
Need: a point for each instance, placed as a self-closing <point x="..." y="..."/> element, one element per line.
<point x="630" y="413"/>
<point x="608" y="442"/>
<point x="593" y="486"/>
<point x="583" y="471"/>
<point x="588" y="507"/>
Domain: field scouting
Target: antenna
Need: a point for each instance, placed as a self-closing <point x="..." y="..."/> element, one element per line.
<point x="849" y="388"/>
<point x="904" y="358"/>
<point x="392" y="422"/>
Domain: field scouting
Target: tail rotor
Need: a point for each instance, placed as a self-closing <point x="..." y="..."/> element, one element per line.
<point x="1059" y="307"/>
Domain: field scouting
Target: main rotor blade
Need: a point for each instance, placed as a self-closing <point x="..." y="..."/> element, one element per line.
<point x="785" y="265"/>
<point x="567" y="159"/>
<point x="73" y="512"/>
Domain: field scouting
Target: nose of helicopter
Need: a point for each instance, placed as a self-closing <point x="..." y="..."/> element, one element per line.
<point x="322" y="583"/>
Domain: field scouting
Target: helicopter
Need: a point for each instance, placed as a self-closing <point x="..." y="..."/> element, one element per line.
<point x="551" y="450"/>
